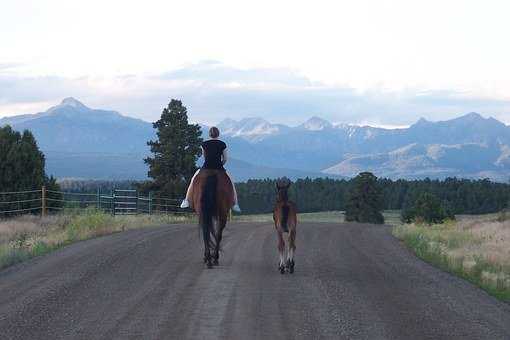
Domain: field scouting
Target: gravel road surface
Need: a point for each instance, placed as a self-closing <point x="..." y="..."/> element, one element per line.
<point x="352" y="281"/>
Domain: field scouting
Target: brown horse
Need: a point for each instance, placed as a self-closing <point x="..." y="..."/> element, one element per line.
<point x="212" y="198"/>
<point x="285" y="220"/>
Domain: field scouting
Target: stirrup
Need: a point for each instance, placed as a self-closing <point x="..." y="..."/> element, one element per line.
<point x="185" y="204"/>
<point x="236" y="208"/>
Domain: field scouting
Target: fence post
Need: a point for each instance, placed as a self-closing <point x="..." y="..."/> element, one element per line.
<point x="43" y="201"/>
<point x="98" y="204"/>
<point x="113" y="203"/>
<point x="136" y="209"/>
<point x="150" y="202"/>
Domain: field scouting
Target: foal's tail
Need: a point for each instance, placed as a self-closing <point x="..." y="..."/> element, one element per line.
<point x="209" y="208"/>
<point x="285" y="217"/>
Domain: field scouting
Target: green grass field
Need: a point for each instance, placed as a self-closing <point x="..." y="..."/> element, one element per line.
<point x="391" y="217"/>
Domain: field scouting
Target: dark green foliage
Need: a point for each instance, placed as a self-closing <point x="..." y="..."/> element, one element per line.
<point x="426" y="208"/>
<point x="364" y="202"/>
<point x="457" y="196"/>
<point x="52" y="187"/>
<point x="21" y="169"/>
<point x="92" y="186"/>
<point x="21" y="162"/>
<point x="175" y="152"/>
<point x="320" y="194"/>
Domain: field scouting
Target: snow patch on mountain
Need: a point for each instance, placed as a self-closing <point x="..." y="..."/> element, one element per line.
<point x="316" y="124"/>
<point x="69" y="103"/>
<point x="253" y="129"/>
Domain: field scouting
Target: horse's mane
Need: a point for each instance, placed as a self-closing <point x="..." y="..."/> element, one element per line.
<point x="283" y="195"/>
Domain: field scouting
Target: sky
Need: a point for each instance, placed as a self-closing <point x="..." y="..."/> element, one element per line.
<point x="384" y="63"/>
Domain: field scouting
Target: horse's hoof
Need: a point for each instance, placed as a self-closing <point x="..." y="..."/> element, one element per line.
<point x="282" y="269"/>
<point x="209" y="265"/>
<point x="216" y="262"/>
<point x="290" y="266"/>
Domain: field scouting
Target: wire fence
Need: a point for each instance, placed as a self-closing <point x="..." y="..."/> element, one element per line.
<point x="115" y="202"/>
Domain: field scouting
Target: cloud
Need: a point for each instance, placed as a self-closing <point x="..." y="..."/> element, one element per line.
<point x="4" y="66"/>
<point x="213" y="91"/>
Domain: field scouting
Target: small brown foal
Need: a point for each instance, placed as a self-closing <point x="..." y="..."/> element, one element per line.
<point x="285" y="220"/>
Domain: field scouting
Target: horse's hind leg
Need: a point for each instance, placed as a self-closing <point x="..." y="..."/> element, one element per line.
<point x="281" y="251"/>
<point x="207" y="244"/>
<point x="292" y="248"/>
<point x="221" y="225"/>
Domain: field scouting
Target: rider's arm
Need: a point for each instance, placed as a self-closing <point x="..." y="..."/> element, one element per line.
<point x="224" y="157"/>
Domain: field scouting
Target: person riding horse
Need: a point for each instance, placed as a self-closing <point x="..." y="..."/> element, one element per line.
<point x="212" y="194"/>
<point x="214" y="151"/>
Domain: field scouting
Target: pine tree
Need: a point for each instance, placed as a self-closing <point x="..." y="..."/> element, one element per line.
<point x="175" y="152"/>
<point x="22" y="169"/>
<point x="21" y="161"/>
<point x="365" y="200"/>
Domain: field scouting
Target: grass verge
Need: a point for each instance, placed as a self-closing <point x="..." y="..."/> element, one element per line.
<point x="476" y="249"/>
<point x="28" y="236"/>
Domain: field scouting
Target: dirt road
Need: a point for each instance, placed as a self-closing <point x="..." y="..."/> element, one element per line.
<point x="351" y="281"/>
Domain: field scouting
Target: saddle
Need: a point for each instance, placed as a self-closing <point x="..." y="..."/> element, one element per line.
<point x="224" y="189"/>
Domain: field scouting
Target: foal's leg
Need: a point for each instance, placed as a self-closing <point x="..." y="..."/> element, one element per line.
<point x="281" y="251"/>
<point x="292" y="248"/>
<point x="292" y="243"/>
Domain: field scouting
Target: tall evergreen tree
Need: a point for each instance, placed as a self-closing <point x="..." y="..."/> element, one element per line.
<point x="365" y="200"/>
<point x="175" y="151"/>
<point x="21" y="161"/>
<point x="22" y="169"/>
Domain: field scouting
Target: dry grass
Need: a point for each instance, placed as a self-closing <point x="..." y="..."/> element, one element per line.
<point x="27" y="236"/>
<point x="390" y="217"/>
<point x="476" y="248"/>
<point x="29" y="226"/>
<point x="324" y="216"/>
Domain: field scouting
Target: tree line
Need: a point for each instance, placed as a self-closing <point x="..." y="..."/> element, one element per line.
<point x="457" y="196"/>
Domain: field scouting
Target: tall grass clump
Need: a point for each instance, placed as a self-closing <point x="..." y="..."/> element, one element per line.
<point x="90" y="223"/>
<point x="476" y="249"/>
<point x="24" y="237"/>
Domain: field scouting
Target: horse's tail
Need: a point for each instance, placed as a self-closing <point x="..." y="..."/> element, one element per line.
<point x="285" y="217"/>
<point x="209" y="205"/>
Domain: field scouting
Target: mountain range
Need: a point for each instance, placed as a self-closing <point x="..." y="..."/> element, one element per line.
<point x="469" y="146"/>
<point x="80" y="142"/>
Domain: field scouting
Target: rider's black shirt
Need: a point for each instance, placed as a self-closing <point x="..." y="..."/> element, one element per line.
<point x="213" y="149"/>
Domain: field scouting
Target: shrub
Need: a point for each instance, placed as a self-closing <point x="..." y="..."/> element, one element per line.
<point x="426" y="209"/>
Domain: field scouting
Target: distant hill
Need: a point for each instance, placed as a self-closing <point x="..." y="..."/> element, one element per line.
<point x="73" y="127"/>
<point x="468" y="146"/>
<point x="88" y="143"/>
<point x="80" y="142"/>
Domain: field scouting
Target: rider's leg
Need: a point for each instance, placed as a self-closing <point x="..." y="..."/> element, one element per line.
<point x="185" y="201"/>
<point x="236" y="203"/>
